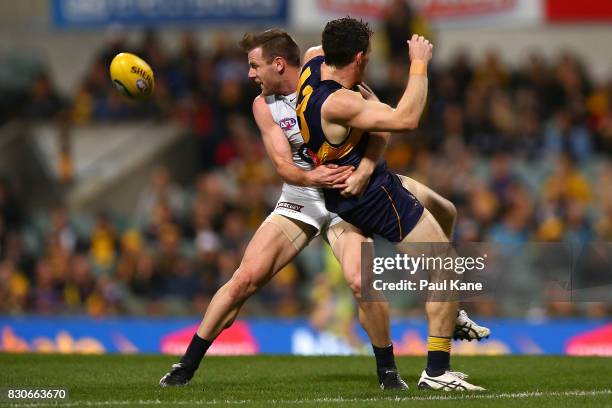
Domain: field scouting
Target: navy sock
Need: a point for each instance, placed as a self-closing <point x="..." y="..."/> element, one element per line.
<point x="438" y="355"/>
<point x="438" y="362"/>
<point x="384" y="357"/>
<point x="195" y="352"/>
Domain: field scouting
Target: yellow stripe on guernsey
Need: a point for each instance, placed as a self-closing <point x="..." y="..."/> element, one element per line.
<point x="299" y="110"/>
<point x="438" y="344"/>
<point x="328" y="152"/>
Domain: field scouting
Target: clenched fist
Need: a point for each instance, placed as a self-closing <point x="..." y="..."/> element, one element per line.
<point x="420" y="48"/>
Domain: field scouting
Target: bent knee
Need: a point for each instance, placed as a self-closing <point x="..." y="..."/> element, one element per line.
<point x="354" y="283"/>
<point x="242" y="284"/>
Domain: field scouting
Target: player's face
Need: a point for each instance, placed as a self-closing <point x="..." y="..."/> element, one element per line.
<point x="263" y="73"/>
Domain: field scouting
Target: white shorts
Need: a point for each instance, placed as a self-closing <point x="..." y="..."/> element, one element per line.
<point x="305" y="204"/>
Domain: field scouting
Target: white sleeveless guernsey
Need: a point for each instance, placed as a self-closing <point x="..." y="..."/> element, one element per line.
<point x="301" y="203"/>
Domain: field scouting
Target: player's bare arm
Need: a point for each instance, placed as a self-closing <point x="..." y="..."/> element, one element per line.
<point x="348" y="109"/>
<point x="278" y="149"/>
<point x="377" y="144"/>
<point x="378" y="140"/>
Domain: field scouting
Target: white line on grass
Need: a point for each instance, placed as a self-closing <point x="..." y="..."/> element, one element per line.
<point x="338" y="400"/>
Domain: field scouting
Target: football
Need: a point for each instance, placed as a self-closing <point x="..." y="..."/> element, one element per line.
<point x="132" y="76"/>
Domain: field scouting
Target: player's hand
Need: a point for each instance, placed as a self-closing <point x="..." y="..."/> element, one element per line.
<point x="356" y="184"/>
<point x="420" y="48"/>
<point x="366" y="92"/>
<point x="330" y="176"/>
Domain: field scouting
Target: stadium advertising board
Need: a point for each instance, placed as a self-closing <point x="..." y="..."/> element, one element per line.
<point x="311" y="14"/>
<point x="295" y="336"/>
<point x="429" y="8"/>
<point x="100" y="13"/>
<point x="559" y="11"/>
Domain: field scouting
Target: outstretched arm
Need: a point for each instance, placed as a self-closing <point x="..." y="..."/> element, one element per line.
<point x="347" y="108"/>
<point x="278" y="149"/>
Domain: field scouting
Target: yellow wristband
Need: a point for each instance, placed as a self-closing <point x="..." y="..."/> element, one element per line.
<point x="418" y="67"/>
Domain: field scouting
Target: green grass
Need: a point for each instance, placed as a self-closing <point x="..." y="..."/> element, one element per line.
<point x="126" y="381"/>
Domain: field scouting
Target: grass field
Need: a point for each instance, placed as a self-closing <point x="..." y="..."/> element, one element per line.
<point x="126" y="381"/>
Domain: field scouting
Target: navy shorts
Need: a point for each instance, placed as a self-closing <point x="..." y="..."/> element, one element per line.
<point x="388" y="210"/>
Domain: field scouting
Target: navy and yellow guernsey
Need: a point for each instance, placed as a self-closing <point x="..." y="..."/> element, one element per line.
<point x="385" y="208"/>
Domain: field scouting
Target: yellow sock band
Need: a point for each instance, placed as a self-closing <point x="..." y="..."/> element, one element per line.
<point x="438" y="344"/>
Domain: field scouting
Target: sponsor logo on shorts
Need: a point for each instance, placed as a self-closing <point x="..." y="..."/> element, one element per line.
<point x="287" y="123"/>
<point x="290" y="206"/>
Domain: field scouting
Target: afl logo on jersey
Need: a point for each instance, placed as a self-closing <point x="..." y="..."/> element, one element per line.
<point x="287" y="123"/>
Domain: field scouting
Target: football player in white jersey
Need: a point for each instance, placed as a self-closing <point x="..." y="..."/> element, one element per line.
<point x="300" y="215"/>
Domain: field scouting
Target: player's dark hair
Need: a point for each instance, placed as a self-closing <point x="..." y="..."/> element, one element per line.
<point x="343" y="38"/>
<point x="274" y="43"/>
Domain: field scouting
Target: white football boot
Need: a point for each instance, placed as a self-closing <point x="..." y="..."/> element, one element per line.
<point x="449" y="381"/>
<point x="467" y="329"/>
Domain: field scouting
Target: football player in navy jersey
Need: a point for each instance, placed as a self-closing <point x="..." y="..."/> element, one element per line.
<point x="335" y="121"/>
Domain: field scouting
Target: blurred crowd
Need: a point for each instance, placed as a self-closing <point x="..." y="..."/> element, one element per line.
<point x="523" y="152"/>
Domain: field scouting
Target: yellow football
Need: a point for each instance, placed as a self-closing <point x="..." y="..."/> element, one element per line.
<point x="132" y="76"/>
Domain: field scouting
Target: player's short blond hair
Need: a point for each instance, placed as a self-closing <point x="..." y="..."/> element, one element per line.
<point x="274" y="43"/>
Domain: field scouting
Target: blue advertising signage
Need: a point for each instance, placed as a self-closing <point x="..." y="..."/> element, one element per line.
<point x="289" y="336"/>
<point x="100" y="13"/>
